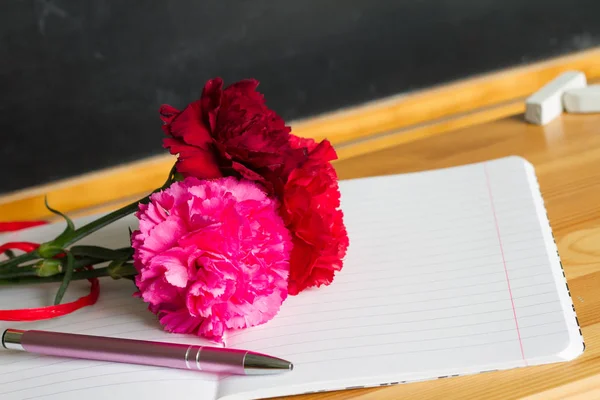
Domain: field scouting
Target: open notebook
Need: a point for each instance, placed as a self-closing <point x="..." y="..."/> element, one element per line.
<point x="449" y="272"/>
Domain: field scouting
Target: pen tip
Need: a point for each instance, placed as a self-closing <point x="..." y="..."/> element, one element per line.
<point x="259" y="364"/>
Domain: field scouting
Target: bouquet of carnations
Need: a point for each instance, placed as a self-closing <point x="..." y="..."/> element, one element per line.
<point x="248" y="215"/>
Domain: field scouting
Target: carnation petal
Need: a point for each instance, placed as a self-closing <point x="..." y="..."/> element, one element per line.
<point x="235" y="133"/>
<point x="189" y="127"/>
<point x="193" y="161"/>
<point x="211" y="101"/>
<point x="167" y="113"/>
<point x="245" y="85"/>
<point x="311" y="201"/>
<point x="179" y="321"/>
<point x="159" y="291"/>
<point x="219" y="260"/>
<point x="164" y="235"/>
<point x="173" y="264"/>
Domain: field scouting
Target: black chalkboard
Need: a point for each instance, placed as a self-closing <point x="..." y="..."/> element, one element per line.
<point x="81" y="81"/>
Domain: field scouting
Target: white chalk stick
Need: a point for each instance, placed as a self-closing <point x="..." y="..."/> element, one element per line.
<point x="547" y="103"/>
<point x="584" y="100"/>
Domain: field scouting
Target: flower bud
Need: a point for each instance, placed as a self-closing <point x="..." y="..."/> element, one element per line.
<point x="48" y="268"/>
<point x="49" y="250"/>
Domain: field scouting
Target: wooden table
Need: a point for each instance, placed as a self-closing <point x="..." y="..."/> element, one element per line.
<point x="566" y="155"/>
<point x="439" y="131"/>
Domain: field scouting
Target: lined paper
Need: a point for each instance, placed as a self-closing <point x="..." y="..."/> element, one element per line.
<point x="448" y="272"/>
<point x="116" y="314"/>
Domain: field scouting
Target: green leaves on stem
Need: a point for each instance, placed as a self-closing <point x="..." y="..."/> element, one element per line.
<point x="56" y="246"/>
<point x="66" y="278"/>
<point x="107" y="219"/>
<point x="58" y="263"/>
<point x="51" y="267"/>
<point x="70" y="225"/>
<point x="102" y="253"/>
<point x="126" y="271"/>
<point x="118" y="269"/>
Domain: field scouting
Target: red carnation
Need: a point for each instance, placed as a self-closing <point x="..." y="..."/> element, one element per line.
<point x="311" y="210"/>
<point x="231" y="132"/>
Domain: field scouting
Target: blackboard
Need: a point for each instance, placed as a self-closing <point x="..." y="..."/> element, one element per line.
<point x="81" y="81"/>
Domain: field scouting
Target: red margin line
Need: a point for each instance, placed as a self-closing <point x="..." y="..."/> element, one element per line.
<point x="489" y="186"/>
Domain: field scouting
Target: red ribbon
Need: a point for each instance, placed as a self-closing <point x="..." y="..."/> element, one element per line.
<point x="18" y="225"/>
<point x="48" y="312"/>
<point x="23" y="246"/>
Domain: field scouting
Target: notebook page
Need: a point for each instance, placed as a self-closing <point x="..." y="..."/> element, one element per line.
<point x="448" y="272"/>
<point x="116" y="314"/>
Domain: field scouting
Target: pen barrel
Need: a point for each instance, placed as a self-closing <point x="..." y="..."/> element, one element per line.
<point x="172" y="355"/>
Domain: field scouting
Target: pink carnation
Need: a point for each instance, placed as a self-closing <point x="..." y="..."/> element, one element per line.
<point x="212" y="255"/>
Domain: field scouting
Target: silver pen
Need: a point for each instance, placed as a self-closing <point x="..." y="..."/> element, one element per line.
<point x="171" y="355"/>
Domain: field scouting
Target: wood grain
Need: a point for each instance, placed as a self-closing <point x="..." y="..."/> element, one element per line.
<point x="421" y="131"/>
<point x="566" y="155"/>
<point x="354" y="131"/>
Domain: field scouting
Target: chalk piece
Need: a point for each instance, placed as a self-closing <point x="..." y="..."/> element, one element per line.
<point x="584" y="100"/>
<point x="547" y="103"/>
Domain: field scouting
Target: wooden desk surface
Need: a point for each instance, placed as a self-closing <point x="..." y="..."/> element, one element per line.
<point x="566" y="155"/>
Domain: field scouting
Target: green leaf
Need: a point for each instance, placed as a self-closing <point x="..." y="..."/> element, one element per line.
<point x="9" y="254"/>
<point x="114" y="269"/>
<point x="70" y="225"/>
<point x="66" y="279"/>
<point x="101" y="253"/>
<point x="120" y="269"/>
<point x="101" y="222"/>
<point x="178" y="177"/>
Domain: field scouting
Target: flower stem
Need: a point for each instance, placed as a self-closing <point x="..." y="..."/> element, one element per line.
<point x="11" y="262"/>
<point x="32" y="270"/>
<point x="101" y="222"/>
<point x="85" y="230"/>
<point x="126" y="270"/>
<point x="23" y="271"/>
